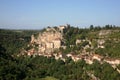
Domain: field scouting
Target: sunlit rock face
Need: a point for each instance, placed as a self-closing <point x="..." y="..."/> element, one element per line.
<point x="49" y="40"/>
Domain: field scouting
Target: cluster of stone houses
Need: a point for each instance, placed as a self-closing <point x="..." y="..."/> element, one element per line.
<point x="89" y="58"/>
<point x="49" y="40"/>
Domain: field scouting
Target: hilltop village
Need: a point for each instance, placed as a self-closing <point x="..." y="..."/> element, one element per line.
<point x="62" y="52"/>
<point x="49" y="42"/>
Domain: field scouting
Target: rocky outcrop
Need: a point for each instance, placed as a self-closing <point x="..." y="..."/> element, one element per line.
<point x="49" y="40"/>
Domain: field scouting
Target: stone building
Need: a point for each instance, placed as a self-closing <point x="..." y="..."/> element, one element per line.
<point x="49" y="45"/>
<point x="48" y="40"/>
<point x="57" y="43"/>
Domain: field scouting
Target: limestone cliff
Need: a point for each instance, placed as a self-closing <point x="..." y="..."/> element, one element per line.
<point x="49" y="40"/>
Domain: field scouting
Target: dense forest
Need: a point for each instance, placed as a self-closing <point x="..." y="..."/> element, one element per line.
<point x="43" y="68"/>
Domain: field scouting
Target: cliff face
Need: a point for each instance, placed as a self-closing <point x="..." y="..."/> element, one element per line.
<point x="49" y="40"/>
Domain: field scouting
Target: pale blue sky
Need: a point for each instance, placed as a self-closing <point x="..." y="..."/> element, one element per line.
<point x="36" y="14"/>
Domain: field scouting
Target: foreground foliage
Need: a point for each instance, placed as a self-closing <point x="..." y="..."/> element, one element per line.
<point x="37" y="68"/>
